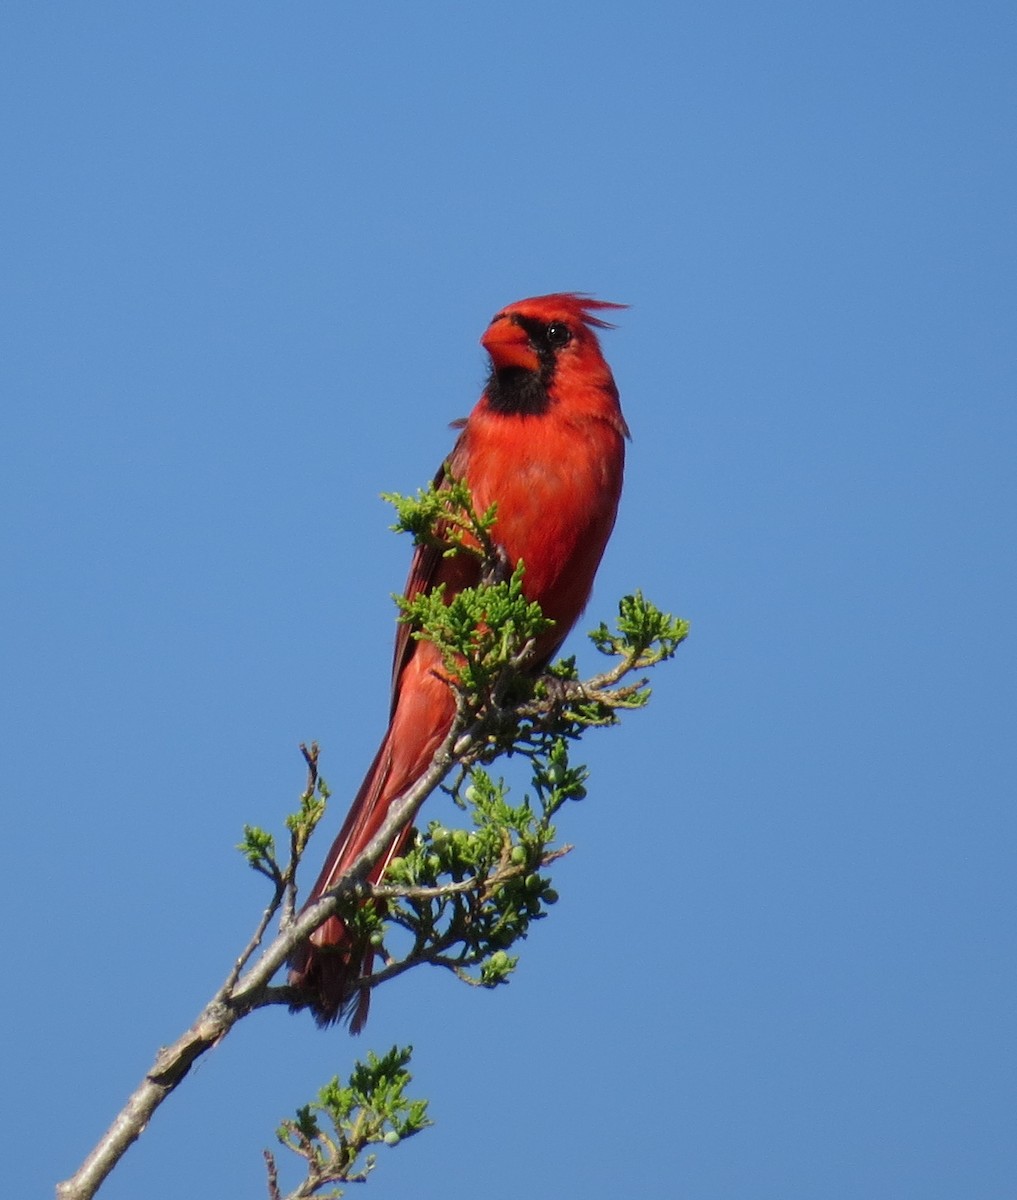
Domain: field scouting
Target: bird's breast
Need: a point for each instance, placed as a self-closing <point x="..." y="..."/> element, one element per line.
<point x="556" y="485"/>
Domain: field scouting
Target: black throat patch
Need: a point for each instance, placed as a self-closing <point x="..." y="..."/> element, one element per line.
<point x="514" y="391"/>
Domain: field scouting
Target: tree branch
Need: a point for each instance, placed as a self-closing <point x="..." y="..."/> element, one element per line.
<point x="483" y="726"/>
<point x="245" y="993"/>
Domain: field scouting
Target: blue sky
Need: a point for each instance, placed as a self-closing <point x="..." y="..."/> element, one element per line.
<point x="249" y="252"/>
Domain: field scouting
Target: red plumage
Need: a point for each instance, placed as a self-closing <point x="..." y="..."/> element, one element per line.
<point x="545" y="443"/>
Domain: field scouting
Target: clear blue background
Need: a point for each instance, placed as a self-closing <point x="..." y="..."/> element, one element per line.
<point x="248" y="251"/>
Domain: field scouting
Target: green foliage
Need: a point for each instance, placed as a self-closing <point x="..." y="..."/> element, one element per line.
<point x="258" y="847"/>
<point x="467" y="896"/>
<point x="443" y="516"/>
<point x="644" y="635"/>
<point x="332" y="1133"/>
<point x="481" y="632"/>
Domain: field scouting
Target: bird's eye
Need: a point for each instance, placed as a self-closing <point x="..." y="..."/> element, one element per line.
<point x="558" y="334"/>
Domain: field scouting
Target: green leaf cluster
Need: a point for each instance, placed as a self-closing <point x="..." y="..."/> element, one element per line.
<point x="644" y="636"/>
<point x="332" y="1133"/>
<point x="480" y="632"/>
<point x="443" y="516"/>
<point x="467" y="896"/>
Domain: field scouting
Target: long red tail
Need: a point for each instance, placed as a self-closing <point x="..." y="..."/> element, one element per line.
<point x="330" y="965"/>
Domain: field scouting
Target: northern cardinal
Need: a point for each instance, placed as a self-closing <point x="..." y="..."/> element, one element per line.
<point x="546" y="443"/>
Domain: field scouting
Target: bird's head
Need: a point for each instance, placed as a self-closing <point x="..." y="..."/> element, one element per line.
<point x="544" y="347"/>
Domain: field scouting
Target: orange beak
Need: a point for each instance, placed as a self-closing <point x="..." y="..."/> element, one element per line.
<point x="509" y="345"/>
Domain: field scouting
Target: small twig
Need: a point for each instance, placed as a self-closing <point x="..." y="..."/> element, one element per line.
<point x="273" y="1176"/>
<point x="284" y="886"/>
<point x="289" y="904"/>
<point x="311" y="758"/>
<point x="245" y="956"/>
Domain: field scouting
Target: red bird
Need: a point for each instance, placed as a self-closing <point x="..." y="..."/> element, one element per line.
<point x="546" y="443"/>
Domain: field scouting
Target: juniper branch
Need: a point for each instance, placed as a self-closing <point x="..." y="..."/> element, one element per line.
<point x="467" y="918"/>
